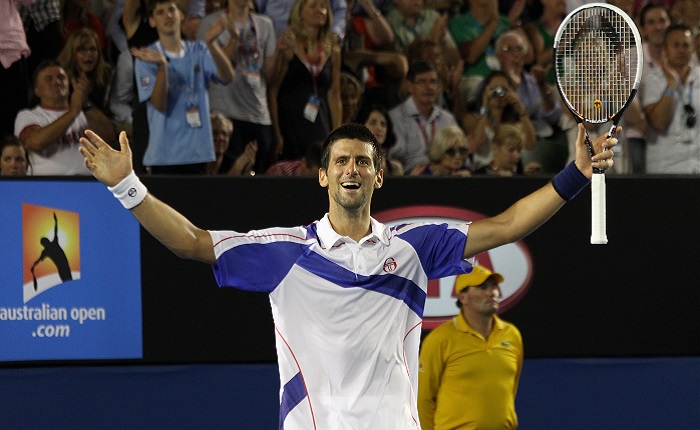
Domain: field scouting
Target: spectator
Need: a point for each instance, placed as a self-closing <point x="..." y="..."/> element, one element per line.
<point x="51" y="130"/>
<point x="42" y="25"/>
<point x="419" y="118"/>
<point x="304" y="97"/>
<point x="280" y="11"/>
<point x="470" y="367"/>
<point x="122" y="96"/>
<point x="669" y="96"/>
<point x="225" y="164"/>
<point x="173" y="76"/>
<point x="13" y="64"/>
<point x="410" y="19"/>
<point x="475" y="32"/>
<point x="499" y="103"/>
<point x="250" y="42"/>
<point x="14" y="160"/>
<point x="77" y="14"/>
<point x="541" y="100"/>
<point x="376" y="118"/>
<point x="448" y="153"/>
<point x="507" y="147"/>
<point x="82" y="56"/>
<point x="350" y="95"/>
<point x="307" y="165"/>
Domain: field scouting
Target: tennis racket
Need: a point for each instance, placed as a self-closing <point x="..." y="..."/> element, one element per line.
<point x="598" y="66"/>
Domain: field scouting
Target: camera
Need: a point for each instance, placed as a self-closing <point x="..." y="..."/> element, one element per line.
<point x="499" y="91"/>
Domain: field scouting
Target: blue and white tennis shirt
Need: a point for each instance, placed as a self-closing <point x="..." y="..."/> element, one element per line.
<point x="347" y="315"/>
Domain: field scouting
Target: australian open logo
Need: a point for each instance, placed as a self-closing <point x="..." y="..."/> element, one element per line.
<point x="389" y="265"/>
<point x="51" y="248"/>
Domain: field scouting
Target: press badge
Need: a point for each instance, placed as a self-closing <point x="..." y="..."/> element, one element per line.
<point x="194" y="120"/>
<point x="253" y="77"/>
<point x="311" y="109"/>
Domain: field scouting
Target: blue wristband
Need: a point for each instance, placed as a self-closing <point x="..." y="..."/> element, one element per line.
<point x="569" y="182"/>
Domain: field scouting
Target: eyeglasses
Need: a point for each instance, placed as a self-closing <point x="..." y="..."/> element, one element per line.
<point x="515" y="49"/>
<point x="86" y="50"/>
<point x="452" y="151"/>
<point x="691" y="116"/>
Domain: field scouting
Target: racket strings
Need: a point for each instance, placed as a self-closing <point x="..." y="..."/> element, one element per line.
<point x="596" y="64"/>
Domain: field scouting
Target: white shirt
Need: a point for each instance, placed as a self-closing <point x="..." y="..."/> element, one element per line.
<point x="347" y="315"/>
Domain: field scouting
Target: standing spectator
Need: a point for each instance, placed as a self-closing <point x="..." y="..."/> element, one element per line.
<point x="419" y="118"/>
<point x="670" y="96"/>
<point x="173" y="76"/>
<point x="470" y="366"/>
<point x="250" y="45"/>
<point x="82" y="56"/>
<point x="13" y="64"/>
<point x="280" y="12"/>
<point x="447" y="154"/>
<point x="43" y="29"/>
<point x="14" y="160"/>
<point x="475" y="32"/>
<point x="305" y="94"/>
<point x="51" y="130"/>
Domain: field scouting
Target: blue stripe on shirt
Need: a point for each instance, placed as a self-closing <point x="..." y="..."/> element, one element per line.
<point x="294" y="392"/>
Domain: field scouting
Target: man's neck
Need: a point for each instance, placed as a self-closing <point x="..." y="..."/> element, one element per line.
<point x="239" y="13"/>
<point x="682" y="73"/>
<point x="424" y="109"/>
<point x="354" y="226"/>
<point x="171" y="42"/>
<point x="479" y="322"/>
<point x="62" y="103"/>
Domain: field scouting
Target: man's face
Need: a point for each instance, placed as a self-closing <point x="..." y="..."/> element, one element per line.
<point x="52" y="85"/>
<point x="656" y="21"/>
<point x="482" y="300"/>
<point x="512" y="54"/>
<point x="679" y="49"/>
<point x="425" y="88"/>
<point x="166" y="18"/>
<point x="351" y="176"/>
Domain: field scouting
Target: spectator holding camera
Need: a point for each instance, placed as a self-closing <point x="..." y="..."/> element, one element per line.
<point x="498" y="104"/>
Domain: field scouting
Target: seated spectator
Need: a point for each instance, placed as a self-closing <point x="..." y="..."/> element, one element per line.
<point x="350" y="95"/>
<point x="448" y="153"/>
<point x="507" y="147"/>
<point x="225" y="164"/>
<point x="498" y="104"/>
<point x="541" y="100"/>
<point x="307" y="165"/>
<point x="78" y="14"/>
<point x="419" y="118"/>
<point x="14" y="160"/>
<point x="376" y="119"/>
<point x="250" y="45"/>
<point x="304" y="96"/>
<point x="173" y="76"/>
<point x="51" y="131"/>
<point x="82" y="56"/>
<point x="475" y="32"/>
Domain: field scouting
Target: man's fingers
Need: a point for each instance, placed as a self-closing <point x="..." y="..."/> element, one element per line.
<point x="124" y="143"/>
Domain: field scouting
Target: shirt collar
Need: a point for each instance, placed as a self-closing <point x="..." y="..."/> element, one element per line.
<point x="462" y="325"/>
<point x="413" y="111"/>
<point x="330" y="238"/>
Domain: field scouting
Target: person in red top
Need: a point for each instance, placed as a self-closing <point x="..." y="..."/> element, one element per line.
<point x="77" y="14"/>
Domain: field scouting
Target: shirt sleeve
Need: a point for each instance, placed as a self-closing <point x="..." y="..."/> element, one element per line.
<point x="145" y="78"/>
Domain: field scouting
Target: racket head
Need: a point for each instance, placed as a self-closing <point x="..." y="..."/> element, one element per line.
<point x="598" y="62"/>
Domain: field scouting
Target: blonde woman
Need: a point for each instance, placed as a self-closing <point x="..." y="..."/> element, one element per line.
<point x="447" y="154"/>
<point x="82" y="56"/>
<point x="304" y="92"/>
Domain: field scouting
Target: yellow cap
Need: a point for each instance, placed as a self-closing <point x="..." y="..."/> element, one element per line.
<point x="478" y="276"/>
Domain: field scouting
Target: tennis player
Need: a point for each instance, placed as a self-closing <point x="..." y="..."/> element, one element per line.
<point x="347" y="293"/>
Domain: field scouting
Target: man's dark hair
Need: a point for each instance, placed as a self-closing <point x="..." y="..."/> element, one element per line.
<point x="43" y="66"/>
<point x="418" y="68"/>
<point x="351" y="131"/>
<point x="676" y="27"/>
<point x="650" y="6"/>
<point x="151" y="5"/>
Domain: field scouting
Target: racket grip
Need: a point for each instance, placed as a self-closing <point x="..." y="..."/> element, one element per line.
<point x="598" y="206"/>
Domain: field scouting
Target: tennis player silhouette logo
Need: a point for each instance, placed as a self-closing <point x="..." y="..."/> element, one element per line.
<point x="51" y="248"/>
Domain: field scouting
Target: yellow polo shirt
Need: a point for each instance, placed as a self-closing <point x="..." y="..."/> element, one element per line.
<point x="466" y="381"/>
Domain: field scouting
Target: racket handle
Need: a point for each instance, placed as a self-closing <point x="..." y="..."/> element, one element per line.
<point x="598" y="228"/>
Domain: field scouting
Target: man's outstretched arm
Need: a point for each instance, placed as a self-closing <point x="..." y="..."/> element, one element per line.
<point x="530" y="212"/>
<point x="114" y="169"/>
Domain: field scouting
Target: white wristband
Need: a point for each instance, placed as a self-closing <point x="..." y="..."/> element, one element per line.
<point x="130" y="191"/>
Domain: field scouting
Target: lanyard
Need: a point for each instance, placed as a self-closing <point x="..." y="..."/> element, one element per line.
<point x="248" y="43"/>
<point x="315" y="68"/>
<point x="427" y="140"/>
